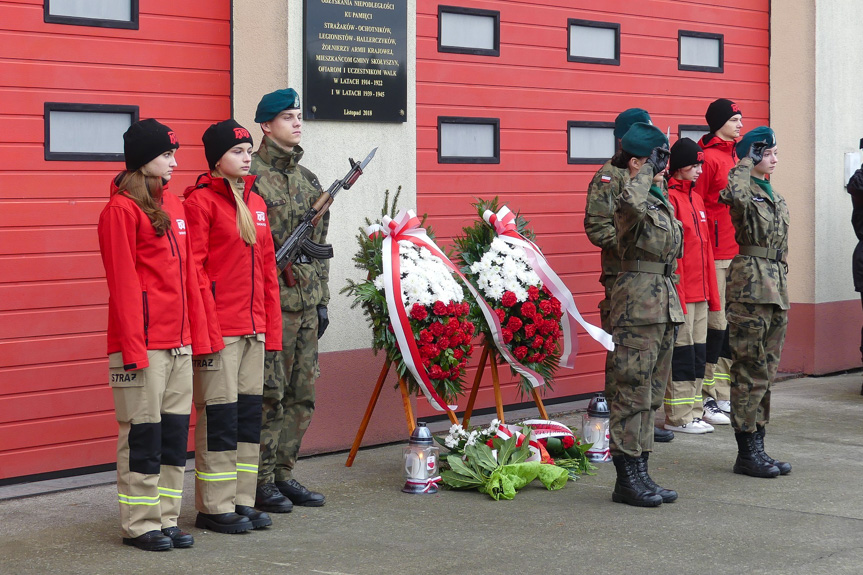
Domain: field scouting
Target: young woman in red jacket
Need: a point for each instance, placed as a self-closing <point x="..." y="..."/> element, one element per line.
<point x="236" y="261"/>
<point x="155" y="320"/>
<point x="683" y="407"/>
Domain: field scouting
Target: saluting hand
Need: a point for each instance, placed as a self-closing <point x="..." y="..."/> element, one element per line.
<point x="756" y="151"/>
<point x="658" y="158"/>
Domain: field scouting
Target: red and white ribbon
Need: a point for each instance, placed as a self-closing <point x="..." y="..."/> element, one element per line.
<point x="504" y="225"/>
<point x="406" y="226"/>
<point x="505" y="431"/>
<point x="545" y="428"/>
<point x="426" y="484"/>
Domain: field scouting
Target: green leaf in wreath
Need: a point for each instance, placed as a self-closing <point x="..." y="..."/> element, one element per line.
<point x="459" y="481"/>
<point x="480" y="455"/>
<point x="461" y="468"/>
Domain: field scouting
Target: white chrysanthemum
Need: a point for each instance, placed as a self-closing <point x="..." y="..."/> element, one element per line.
<point x="378" y="282"/>
<point x="504" y="268"/>
<point x="425" y="278"/>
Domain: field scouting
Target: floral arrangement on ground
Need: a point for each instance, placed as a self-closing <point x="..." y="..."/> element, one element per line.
<point x="435" y="304"/>
<point x="490" y="458"/>
<point x="529" y="315"/>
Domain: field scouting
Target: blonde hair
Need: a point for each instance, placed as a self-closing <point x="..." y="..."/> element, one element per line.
<point x="146" y="192"/>
<point x="245" y="223"/>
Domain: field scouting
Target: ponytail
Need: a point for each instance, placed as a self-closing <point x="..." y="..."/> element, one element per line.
<point x="245" y="224"/>
<point x="146" y="192"/>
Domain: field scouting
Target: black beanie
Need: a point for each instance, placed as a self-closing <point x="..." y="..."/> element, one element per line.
<point x="719" y="112"/>
<point x="684" y="153"/>
<point x="145" y="140"/>
<point x="221" y="137"/>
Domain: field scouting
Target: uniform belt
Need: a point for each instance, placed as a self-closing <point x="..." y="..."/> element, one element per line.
<point x="647" y="267"/>
<point x="759" y="252"/>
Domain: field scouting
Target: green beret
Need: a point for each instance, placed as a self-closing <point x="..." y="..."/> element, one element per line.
<point x="641" y="138"/>
<point x="759" y="134"/>
<point x="274" y="102"/>
<point x="627" y="118"/>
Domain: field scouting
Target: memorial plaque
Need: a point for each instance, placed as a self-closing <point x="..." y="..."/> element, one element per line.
<point x="354" y="63"/>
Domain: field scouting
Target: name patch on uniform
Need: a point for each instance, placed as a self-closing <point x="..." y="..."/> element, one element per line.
<point x="605" y="178"/>
<point x="207" y="363"/>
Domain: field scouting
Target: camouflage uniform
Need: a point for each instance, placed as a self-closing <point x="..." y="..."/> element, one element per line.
<point x="757" y="295"/>
<point x="289" y="190"/>
<point x="644" y="308"/>
<point x="606" y="185"/>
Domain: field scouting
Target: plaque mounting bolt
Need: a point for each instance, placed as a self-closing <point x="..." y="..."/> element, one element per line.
<point x="314" y="108"/>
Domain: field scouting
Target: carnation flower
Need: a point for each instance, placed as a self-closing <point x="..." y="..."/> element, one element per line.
<point x="418" y="312"/>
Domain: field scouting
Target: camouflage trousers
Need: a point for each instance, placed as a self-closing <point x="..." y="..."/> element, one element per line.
<point x="289" y="395"/>
<point x="642" y="368"/>
<point x="756" y="334"/>
<point x="605" y="322"/>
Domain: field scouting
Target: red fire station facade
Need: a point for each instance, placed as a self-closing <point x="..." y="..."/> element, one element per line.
<point x="545" y="96"/>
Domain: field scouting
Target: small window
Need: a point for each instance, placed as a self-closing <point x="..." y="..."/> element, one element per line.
<point x="468" y="31"/>
<point x="590" y="142"/>
<point x="468" y="140"/>
<point x="700" y="51"/>
<point x="101" y="13"/>
<point x="594" y="42"/>
<point x="86" y="132"/>
<point x="692" y="132"/>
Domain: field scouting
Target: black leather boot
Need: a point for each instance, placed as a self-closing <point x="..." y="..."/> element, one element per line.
<point x="784" y="467"/>
<point x="299" y="495"/>
<point x="749" y="460"/>
<point x="258" y="518"/>
<point x="662" y="435"/>
<point x="269" y="498"/>
<point x="668" y="495"/>
<point x="150" y="541"/>
<point x="223" y="522"/>
<point x="629" y="488"/>
<point x="179" y="538"/>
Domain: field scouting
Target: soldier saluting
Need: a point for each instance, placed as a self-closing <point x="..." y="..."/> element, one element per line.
<point x="757" y="297"/>
<point x="645" y="307"/>
<point x="289" y="190"/>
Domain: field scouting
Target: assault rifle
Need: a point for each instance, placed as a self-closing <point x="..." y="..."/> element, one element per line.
<point x="299" y="248"/>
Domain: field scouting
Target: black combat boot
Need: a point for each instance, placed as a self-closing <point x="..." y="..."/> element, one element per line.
<point x="784" y="468"/>
<point x="299" y="495"/>
<point x="668" y="495"/>
<point x="749" y="460"/>
<point x="259" y="519"/>
<point x="662" y="435"/>
<point x="629" y="488"/>
<point x="223" y="522"/>
<point x="269" y="498"/>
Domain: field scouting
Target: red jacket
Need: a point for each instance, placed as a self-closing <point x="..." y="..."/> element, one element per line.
<point x="152" y="286"/>
<point x="239" y="284"/>
<point x="719" y="158"/>
<point x="698" y="274"/>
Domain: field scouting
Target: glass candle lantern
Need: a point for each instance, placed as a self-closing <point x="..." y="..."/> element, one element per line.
<point x="421" y="462"/>
<point x="595" y="429"/>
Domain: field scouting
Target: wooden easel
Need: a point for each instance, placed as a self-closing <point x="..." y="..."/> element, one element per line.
<point x="406" y="401"/>
<point x="409" y="413"/>
<point x="495" y="380"/>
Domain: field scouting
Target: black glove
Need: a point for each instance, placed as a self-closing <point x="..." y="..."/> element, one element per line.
<point x="658" y="158"/>
<point x="323" y="320"/>
<point x="756" y="151"/>
<point x="855" y="184"/>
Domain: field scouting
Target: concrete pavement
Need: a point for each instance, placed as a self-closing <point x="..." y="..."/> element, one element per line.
<point x="807" y="522"/>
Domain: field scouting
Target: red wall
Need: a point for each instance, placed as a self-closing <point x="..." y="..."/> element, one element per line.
<point x="56" y="410"/>
<point x="534" y="91"/>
